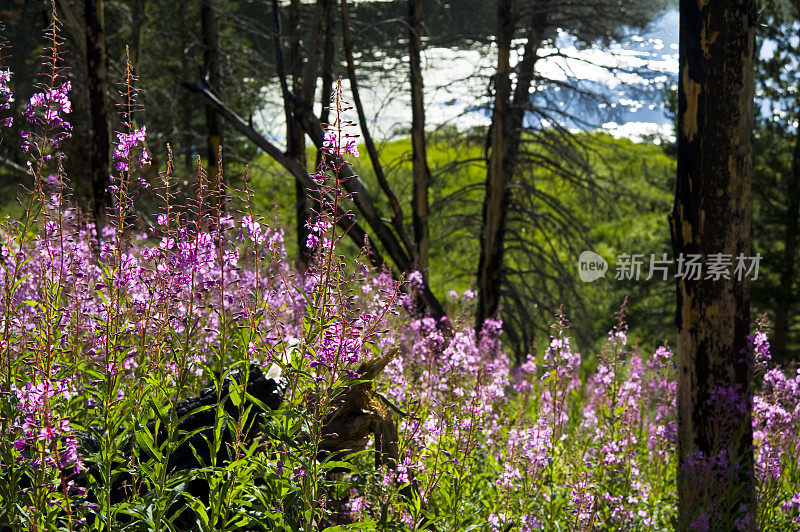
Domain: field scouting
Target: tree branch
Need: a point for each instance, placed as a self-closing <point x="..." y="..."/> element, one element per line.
<point x="353" y="229"/>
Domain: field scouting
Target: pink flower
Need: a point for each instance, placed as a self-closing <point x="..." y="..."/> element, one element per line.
<point x="351" y="148"/>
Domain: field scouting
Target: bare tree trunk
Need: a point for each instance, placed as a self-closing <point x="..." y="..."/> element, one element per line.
<point x="214" y="75"/>
<point x="309" y="83"/>
<point x="505" y="134"/>
<point x="496" y="198"/>
<point x="711" y="216"/>
<point x="98" y="97"/>
<point x="786" y="295"/>
<point x="326" y="74"/>
<point x="186" y="110"/>
<point x="295" y="138"/>
<point x="68" y="12"/>
<point x="421" y="172"/>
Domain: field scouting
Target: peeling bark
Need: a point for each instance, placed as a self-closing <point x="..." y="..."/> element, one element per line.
<point x="711" y="215"/>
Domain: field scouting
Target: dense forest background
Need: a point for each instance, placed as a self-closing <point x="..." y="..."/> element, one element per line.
<point x="522" y="127"/>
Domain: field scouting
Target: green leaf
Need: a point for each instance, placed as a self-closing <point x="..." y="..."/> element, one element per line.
<point x="331" y="464"/>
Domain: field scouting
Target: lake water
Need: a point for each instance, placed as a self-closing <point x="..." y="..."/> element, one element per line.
<point x="629" y="101"/>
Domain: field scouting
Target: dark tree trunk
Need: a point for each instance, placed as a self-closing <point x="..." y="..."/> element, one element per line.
<point x="186" y="111"/>
<point x="505" y="135"/>
<point x="295" y="138"/>
<point x="78" y="164"/>
<point x="98" y="102"/>
<point x="786" y="296"/>
<point x="317" y="31"/>
<point x="711" y="215"/>
<point x="326" y="73"/>
<point x="421" y="172"/>
<point x="495" y="203"/>
<point x="214" y="75"/>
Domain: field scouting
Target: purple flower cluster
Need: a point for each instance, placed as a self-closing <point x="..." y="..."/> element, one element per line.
<point x="317" y="230"/>
<point x="42" y="429"/>
<point x="528" y="453"/>
<point x="47" y="109"/>
<point x="127" y="144"/>
<point x="333" y="144"/>
<point x="6" y="96"/>
<point x="50" y="106"/>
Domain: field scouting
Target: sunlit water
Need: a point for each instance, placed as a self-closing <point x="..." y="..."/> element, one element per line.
<point x="630" y="102"/>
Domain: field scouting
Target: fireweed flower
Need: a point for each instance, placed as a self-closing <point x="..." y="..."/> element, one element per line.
<point x="528" y="454"/>
<point x="41" y="426"/>
<point x="127" y="144"/>
<point x="459" y="380"/>
<point x="415" y="280"/>
<point x="253" y="229"/>
<point x="6" y="96"/>
<point x="351" y="148"/>
<point x="317" y="231"/>
<point x="50" y="106"/>
<point x="791" y="508"/>
<point x="759" y="349"/>
<point x="333" y="145"/>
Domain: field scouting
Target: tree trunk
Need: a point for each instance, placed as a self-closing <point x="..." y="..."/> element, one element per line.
<point x="326" y="74"/>
<point x="317" y="31"/>
<point x="786" y="295"/>
<point x="495" y="203"/>
<point x="711" y="215"/>
<point x="214" y="75"/>
<point x="295" y="138"/>
<point x="505" y="135"/>
<point x="97" y="78"/>
<point x="421" y="172"/>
